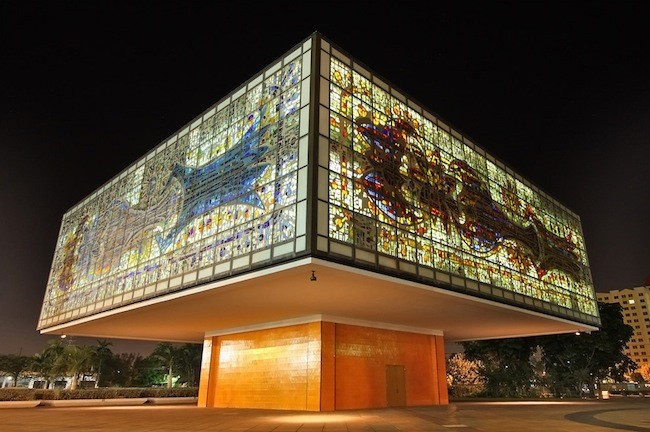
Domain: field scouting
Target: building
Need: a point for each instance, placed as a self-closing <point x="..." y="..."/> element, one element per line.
<point x="634" y="302"/>
<point x="324" y="235"/>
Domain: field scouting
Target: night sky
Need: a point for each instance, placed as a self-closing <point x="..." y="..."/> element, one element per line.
<point x="559" y="91"/>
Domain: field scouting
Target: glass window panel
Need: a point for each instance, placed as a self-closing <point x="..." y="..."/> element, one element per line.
<point x="362" y="87"/>
<point x="284" y="224"/>
<point x="340" y="130"/>
<point x="386" y="239"/>
<point x="407" y="248"/>
<point x="340" y="74"/>
<point x="365" y="232"/>
<point x="340" y="224"/>
<point x="340" y="191"/>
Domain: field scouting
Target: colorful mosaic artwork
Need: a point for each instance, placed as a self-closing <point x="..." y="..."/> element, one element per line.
<point x="402" y="186"/>
<point x="225" y="188"/>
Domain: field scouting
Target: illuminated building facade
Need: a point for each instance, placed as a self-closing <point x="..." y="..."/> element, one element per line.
<point x="323" y="234"/>
<point x="635" y="303"/>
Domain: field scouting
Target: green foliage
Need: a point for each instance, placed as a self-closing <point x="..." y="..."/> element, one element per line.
<point x="463" y="376"/>
<point x="102" y="356"/>
<point x="147" y="372"/>
<point x="576" y="362"/>
<point x="167" y="355"/>
<point x="644" y="371"/>
<point x="74" y="361"/>
<point x="505" y="364"/>
<point x="61" y="358"/>
<point x="128" y="370"/>
<point x="189" y="362"/>
<point x="13" y="365"/>
<point x="566" y="365"/>
<point x="183" y="361"/>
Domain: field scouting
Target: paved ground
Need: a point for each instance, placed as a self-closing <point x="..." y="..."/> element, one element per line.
<point x="629" y="414"/>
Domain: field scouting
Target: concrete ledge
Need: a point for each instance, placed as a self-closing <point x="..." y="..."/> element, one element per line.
<point x="92" y="402"/>
<point x="172" y="400"/>
<point x="20" y="404"/>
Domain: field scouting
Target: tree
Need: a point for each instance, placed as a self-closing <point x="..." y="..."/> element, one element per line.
<point x="189" y="363"/>
<point x="43" y="363"/>
<point x="118" y="370"/>
<point x="75" y="361"/>
<point x="168" y="356"/>
<point x="463" y="376"/>
<point x="42" y="366"/>
<point x="574" y="362"/>
<point x="103" y="355"/>
<point x="644" y="370"/>
<point x="146" y="371"/>
<point x="54" y="348"/>
<point x="505" y="364"/>
<point x="13" y="365"/>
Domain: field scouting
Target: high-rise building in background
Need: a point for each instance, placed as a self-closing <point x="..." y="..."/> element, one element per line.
<point x="323" y="234"/>
<point x="635" y="303"/>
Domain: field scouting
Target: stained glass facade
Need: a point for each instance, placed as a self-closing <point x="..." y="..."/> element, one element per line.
<point x="223" y="194"/>
<point x="407" y="192"/>
<point x="333" y="163"/>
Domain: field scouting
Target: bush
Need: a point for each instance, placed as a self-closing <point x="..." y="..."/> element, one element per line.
<point x="465" y="390"/>
<point x="16" y="394"/>
<point x="98" y="393"/>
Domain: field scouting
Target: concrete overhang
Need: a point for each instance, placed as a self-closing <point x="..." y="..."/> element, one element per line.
<point x="286" y="292"/>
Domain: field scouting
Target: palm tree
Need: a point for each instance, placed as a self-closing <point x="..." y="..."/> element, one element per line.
<point x="102" y="355"/>
<point x="74" y="361"/>
<point x="42" y="366"/>
<point x="190" y="362"/>
<point x="168" y="355"/>
<point x="44" y="362"/>
<point x="54" y="348"/>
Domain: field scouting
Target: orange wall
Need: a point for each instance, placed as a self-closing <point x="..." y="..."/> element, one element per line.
<point x="320" y="366"/>
<point x="328" y="365"/>
<point x="362" y="355"/>
<point x="441" y="370"/>
<point x="206" y="363"/>
<point x="277" y="368"/>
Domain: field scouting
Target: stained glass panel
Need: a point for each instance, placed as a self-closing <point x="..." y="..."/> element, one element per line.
<point x="439" y="202"/>
<point x="222" y="188"/>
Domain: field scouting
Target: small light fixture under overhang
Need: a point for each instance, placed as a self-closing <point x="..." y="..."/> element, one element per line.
<point x="313" y="276"/>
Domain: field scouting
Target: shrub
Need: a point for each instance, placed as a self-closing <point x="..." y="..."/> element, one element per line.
<point x="16" y="394"/>
<point x="98" y="393"/>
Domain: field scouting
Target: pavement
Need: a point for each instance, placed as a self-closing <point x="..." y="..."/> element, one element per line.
<point x="623" y="414"/>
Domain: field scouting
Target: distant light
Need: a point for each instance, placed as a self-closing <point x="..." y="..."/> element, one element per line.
<point x="577" y="333"/>
<point x="63" y="336"/>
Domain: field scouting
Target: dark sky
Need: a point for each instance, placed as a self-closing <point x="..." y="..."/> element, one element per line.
<point x="559" y="91"/>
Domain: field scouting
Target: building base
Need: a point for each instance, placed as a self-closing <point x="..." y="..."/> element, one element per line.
<point x="323" y="366"/>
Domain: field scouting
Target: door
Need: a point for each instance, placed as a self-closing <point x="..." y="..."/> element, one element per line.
<point x="395" y="385"/>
